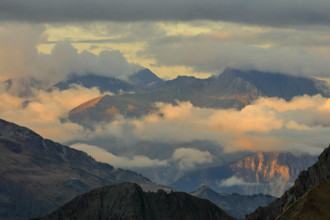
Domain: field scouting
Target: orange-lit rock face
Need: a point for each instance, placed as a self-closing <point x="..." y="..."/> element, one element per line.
<point x="263" y="166"/>
<point x="130" y="107"/>
<point x="113" y="111"/>
<point x="86" y="105"/>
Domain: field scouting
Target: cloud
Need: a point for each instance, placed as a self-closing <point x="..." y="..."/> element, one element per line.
<point x="275" y="13"/>
<point x="19" y="57"/>
<point x="268" y="124"/>
<point x="45" y="112"/>
<point x="258" y="49"/>
<point x="188" y="158"/>
<point x="235" y="181"/>
<point x="137" y="161"/>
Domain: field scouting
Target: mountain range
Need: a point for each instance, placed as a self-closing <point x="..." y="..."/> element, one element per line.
<point x="234" y="204"/>
<point x="231" y="89"/>
<point x="308" y="198"/>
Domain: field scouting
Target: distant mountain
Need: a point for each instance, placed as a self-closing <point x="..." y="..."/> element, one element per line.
<point x="231" y="89"/>
<point x="23" y="87"/>
<point x="145" y="79"/>
<point x="302" y="193"/>
<point x="38" y="175"/>
<point x="268" y="173"/>
<point x="256" y="83"/>
<point x="104" y="83"/>
<point x="234" y="204"/>
<point x="128" y="201"/>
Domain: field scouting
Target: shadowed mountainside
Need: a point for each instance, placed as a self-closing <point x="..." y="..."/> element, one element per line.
<point x="128" y="201"/>
<point x="314" y="204"/>
<point x="104" y="83"/>
<point x="306" y="180"/>
<point x="145" y="79"/>
<point x="234" y="204"/>
<point x="38" y="175"/>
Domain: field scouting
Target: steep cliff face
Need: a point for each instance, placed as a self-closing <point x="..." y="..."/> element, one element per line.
<point x="38" y="175"/>
<point x="128" y="201"/>
<point x="306" y="180"/>
<point x="268" y="173"/>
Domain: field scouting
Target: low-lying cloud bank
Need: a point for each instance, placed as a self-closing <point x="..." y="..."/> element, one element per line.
<point x="118" y="161"/>
<point x="268" y="124"/>
<point x="185" y="158"/>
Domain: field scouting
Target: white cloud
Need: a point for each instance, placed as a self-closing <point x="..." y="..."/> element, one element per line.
<point x="235" y="181"/>
<point x="137" y="161"/>
<point x="188" y="158"/>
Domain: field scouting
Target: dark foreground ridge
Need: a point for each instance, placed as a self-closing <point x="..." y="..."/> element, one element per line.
<point x="128" y="201"/>
<point x="318" y="174"/>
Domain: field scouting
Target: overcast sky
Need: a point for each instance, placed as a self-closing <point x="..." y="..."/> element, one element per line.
<point x="174" y="37"/>
<point x="273" y="13"/>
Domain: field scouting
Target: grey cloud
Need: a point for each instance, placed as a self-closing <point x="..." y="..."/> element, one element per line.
<point x="274" y="13"/>
<point x="20" y="57"/>
<point x="207" y="53"/>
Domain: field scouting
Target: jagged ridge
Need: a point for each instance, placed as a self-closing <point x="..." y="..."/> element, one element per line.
<point x="128" y="201"/>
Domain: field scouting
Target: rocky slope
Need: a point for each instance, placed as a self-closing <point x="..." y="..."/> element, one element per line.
<point x="314" y="204"/>
<point x="234" y="204"/>
<point x="306" y="180"/>
<point x="268" y="173"/>
<point x="38" y="175"/>
<point x="128" y="201"/>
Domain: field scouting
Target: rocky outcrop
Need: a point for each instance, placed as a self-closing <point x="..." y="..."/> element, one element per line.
<point x="308" y="179"/>
<point x="38" y="175"/>
<point x="128" y="201"/>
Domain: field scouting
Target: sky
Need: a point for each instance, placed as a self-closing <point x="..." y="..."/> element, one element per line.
<point x="49" y="40"/>
<point x="171" y="38"/>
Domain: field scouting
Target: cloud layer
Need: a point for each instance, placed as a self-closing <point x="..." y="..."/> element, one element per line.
<point x="275" y="13"/>
<point x="137" y="161"/>
<point x="20" y="58"/>
<point x="269" y="124"/>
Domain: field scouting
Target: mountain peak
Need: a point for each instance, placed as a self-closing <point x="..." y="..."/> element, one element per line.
<point x="128" y="201"/>
<point x="145" y="79"/>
